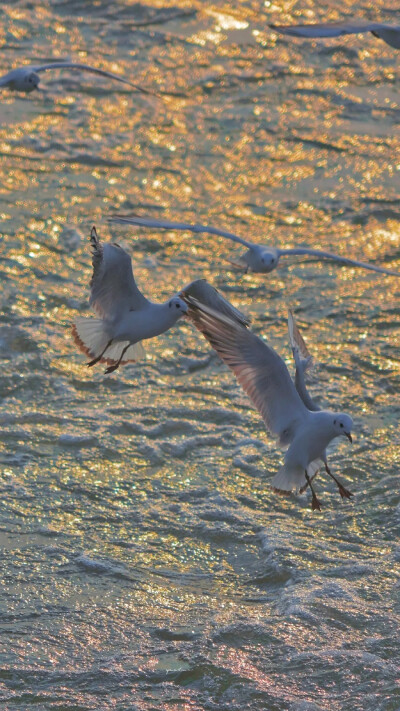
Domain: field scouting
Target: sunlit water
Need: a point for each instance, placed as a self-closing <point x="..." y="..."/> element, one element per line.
<point x="145" y="561"/>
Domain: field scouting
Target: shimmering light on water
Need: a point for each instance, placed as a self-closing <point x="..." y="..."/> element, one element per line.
<point x="146" y="562"/>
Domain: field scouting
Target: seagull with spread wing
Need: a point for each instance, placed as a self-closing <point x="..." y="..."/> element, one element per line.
<point x="125" y="316"/>
<point x="388" y="33"/>
<point x="258" y="258"/>
<point x="26" y="79"/>
<point x="265" y="378"/>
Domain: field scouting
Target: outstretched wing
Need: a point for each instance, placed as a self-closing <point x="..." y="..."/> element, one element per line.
<point x="320" y="254"/>
<point x="259" y="369"/>
<point x="6" y="78"/>
<point x="325" y="29"/>
<point x="301" y="354"/>
<point x="113" y="287"/>
<point x="88" y="68"/>
<point x="185" y="226"/>
<point x="203" y="292"/>
<point x="303" y="361"/>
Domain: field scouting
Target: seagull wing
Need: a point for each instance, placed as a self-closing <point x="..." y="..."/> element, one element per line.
<point x="300" y="351"/>
<point x="203" y="292"/>
<point x="259" y="369"/>
<point x="337" y="258"/>
<point x="113" y="287"/>
<point x="4" y="80"/>
<point x="303" y="360"/>
<point x="167" y="225"/>
<point x="87" y="68"/>
<point x="334" y="29"/>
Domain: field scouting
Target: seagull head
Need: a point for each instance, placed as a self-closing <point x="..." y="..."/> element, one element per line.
<point x="262" y="259"/>
<point x="177" y="306"/>
<point x="342" y="425"/>
<point x="27" y="82"/>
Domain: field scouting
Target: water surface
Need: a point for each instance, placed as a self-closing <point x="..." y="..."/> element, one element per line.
<point x="146" y="563"/>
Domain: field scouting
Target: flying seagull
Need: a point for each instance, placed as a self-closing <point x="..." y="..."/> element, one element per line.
<point x="125" y="316"/>
<point x="258" y="258"/>
<point x="388" y="33"/>
<point x="265" y="378"/>
<point x="27" y="78"/>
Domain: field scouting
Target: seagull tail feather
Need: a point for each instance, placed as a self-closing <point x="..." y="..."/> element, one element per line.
<point x="292" y="478"/>
<point x="91" y="337"/>
<point x="289" y="478"/>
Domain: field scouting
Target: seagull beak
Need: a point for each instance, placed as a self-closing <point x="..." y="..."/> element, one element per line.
<point x="349" y="437"/>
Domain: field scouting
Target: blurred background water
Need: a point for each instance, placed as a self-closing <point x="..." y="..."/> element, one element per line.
<point x="146" y="563"/>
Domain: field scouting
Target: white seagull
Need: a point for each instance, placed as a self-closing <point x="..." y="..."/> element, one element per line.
<point x="266" y="380"/>
<point x="258" y="258"/>
<point x="125" y="316"/>
<point x="388" y="33"/>
<point x="27" y="78"/>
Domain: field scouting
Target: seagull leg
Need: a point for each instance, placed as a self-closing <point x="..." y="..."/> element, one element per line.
<point x="344" y="493"/>
<point x="96" y="360"/>
<point x="304" y="488"/>
<point x="315" y="504"/>
<point x="116" y="365"/>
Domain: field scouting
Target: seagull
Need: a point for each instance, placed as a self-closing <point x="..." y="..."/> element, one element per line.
<point x="125" y="316"/>
<point x="265" y="378"/>
<point x="388" y="33"/>
<point x="258" y="258"/>
<point x="303" y="361"/>
<point x="27" y="78"/>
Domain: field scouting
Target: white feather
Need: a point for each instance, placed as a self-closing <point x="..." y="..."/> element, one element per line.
<point x="291" y="478"/>
<point x="92" y="336"/>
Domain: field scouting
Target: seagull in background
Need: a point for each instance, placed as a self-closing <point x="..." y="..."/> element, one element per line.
<point x="388" y="33"/>
<point x="26" y="79"/>
<point x="259" y="258"/>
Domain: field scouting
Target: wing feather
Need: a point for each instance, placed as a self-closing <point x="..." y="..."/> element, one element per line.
<point x="325" y="29"/>
<point x="259" y="369"/>
<point x="113" y="287"/>
<point x="185" y="226"/>
<point x="303" y="360"/>
<point x="203" y="292"/>
<point x="301" y="354"/>
<point x="321" y="254"/>
<point x="88" y="68"/>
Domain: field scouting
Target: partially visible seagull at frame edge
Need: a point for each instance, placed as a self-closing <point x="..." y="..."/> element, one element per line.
<point x="388" y="33"/>
<point x="265" y="378"/>
<point x="125" y="316"/>
<point x="259" y="258"/>
<point x="26" y="79"/>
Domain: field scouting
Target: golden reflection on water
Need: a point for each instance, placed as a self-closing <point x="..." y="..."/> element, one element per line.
<point x="284" y="143"/>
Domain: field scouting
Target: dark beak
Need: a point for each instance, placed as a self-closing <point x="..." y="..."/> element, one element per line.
<point x="349" y="437"/>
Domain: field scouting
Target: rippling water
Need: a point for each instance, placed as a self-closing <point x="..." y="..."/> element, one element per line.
<point x="146" y="563"/>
